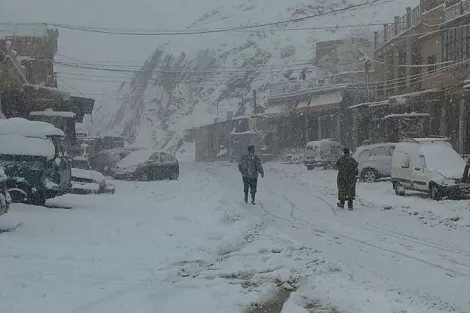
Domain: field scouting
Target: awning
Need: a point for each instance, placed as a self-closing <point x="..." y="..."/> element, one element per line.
<point x="21" y="102"/>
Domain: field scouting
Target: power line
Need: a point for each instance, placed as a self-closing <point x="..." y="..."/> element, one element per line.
<point x="208" y="31"/>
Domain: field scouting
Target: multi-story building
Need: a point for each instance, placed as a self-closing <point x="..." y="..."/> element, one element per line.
<point x="35" y="46"/>
<point x="421" y="61"/>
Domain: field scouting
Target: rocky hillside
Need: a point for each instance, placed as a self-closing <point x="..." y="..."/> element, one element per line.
<point x="188" y="79"/>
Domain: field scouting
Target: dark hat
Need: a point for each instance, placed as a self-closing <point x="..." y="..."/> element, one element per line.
<point x="251" y="148"/>
<point x="346" y="150"/>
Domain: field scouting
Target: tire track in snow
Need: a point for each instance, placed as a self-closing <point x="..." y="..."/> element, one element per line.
<point x="318" y="228"/>
<point x="379" y="231"/>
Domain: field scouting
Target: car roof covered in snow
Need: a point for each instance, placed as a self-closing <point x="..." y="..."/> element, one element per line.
<point x="135" y="158"/>
<point x="26" y="146"/>
<point x="375" y="145"/>
<point x="24" y="127"/>
<point x="425" y="140"/>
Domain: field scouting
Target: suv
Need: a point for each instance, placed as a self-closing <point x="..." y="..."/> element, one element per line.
<point x="375" y="161"/>
<point x="34" y="159"/>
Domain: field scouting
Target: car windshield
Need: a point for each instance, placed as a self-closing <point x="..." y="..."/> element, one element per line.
<point x="80" y="164"/>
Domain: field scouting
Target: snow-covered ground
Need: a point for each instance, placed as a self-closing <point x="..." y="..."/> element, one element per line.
<point x="193" y="246"/>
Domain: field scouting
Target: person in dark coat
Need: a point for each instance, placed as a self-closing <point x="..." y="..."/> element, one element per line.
<point x="346" y="180"/>
<point x="249" y="166"/>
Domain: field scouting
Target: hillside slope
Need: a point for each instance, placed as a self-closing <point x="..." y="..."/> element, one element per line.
<point x="190" y="78"/>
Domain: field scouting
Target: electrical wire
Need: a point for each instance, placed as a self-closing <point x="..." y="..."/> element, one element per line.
<point x="220" y="30"/>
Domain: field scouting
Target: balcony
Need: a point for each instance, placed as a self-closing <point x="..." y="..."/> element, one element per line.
<point x="401" y="24"/>
<point x="456" y="10"/>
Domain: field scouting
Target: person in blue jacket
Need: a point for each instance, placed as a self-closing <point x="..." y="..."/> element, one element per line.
<point x="250" y="166"/>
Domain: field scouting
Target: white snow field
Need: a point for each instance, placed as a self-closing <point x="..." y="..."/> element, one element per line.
<point x="193" y="246"/>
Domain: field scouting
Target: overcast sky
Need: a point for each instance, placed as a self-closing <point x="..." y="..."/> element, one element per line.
<point x="90" y="47"/>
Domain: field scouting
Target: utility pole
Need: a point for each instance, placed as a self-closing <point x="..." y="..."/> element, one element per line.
<point x="254" y="101"/>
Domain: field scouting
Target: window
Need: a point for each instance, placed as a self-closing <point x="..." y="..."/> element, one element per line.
<point x="405" y="162"/>
<point x="421" y="162"/>
<point x="431" y="60"/>
<point x="379" y="151"/>
<point x="444" y="45"/>
<point x="364" y="154"/>
<point x="155" y="157"/>
<point x="166" y="158"/>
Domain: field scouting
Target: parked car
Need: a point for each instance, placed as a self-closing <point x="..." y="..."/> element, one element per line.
<point x="86" y="181"/>
<point x="145" y="166"/>
<point x="5" y="199"/>
<point x="105" y="161"/>
<point x="324" y="153"/>
<point x="375" y="161"/>
<point x="34" y="158"/>
<point x="428" y="165"/>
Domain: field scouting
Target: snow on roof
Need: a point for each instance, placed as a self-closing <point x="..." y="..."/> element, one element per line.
<point x="413" y="114"/>
<point x="322" y="99"/>
<point x="23" y="127"/>
<point x="63" y="93"/>
<point x="23" y="30"/>
<point x="322" y="142"/>
<point x="369" y="104"/>
<point x="50" y="112"/>
<point x="14" y="144"/>
<point x="375" y="145"/>
<point x="424" y="140"/>
<point x="401" y="98"/>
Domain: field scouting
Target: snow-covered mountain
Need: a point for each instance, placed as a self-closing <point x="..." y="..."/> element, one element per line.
<point x="189" y="78"/>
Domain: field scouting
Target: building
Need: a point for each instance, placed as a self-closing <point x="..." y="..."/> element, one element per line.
<point x="34" y="46"/>
<point x="27" y="79"/>
<point x="421" y="61"/>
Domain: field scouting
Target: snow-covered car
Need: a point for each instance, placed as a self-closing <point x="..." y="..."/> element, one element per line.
<point x="145" y="165"/>
<point x="105" y="161"/>
<point x="375" y="161"/>
<point x="428" y="165"/>
<point x="5" y="199"/>
<point x="324" y="153"/>
<point x="87" y="181"/>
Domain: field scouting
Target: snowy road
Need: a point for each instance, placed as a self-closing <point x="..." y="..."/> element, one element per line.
<point x="192" y="246"/>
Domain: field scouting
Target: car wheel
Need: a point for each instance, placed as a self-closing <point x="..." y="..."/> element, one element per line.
<point x="434" y="192"/>
<point x="399" y="189"/>
<point x="18" y="195"/>
<point x="310" y="167"/>
<point x="369" y="175"/>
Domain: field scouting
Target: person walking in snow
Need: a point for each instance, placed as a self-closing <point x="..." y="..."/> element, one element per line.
<point x="249" y="166"/>
<point x="346" y="180"/>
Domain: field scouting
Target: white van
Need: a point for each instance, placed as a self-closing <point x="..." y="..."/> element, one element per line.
<point x="429" y="165"/>
<point x="323" y="153"/>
